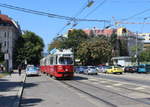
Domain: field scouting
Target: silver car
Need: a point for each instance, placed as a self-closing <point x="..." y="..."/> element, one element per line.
<point x="91" y="70"/>
<point x="32" y="70"/>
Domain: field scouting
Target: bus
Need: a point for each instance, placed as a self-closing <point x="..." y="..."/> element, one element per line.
<point x="58" y="63"/>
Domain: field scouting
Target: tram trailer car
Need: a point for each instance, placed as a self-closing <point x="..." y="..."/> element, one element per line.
<point x="58" y="63"/>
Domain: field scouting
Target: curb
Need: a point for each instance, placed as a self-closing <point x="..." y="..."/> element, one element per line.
<point x="19" y="95"/>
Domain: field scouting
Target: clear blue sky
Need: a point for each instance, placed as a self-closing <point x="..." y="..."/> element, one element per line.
<point x="47" y="27"/>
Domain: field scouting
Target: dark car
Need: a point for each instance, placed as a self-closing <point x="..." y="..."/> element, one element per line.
<point x="131" y="69"/>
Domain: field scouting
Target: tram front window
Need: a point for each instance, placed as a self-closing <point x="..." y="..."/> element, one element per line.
<point x="65" y="60"/>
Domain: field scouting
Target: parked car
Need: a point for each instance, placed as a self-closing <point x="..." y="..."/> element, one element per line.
<point x="144" y="68"/>
<point x="80" y="69"/>
<point x="114" y="70"/>
<point x="32" y="70"/>
<point x="90" y="70"/>
<point x="131" y="69"/>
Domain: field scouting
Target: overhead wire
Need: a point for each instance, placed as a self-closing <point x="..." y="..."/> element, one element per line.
<point x="44" y="13"/>
<point x="137" y="14"/>
<point x="75" y="21"/>
<point x="100" y="4"/>
<point x="35" y="12"/>
<point x="69" y="19"/>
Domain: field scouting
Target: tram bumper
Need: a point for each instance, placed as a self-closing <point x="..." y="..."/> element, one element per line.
<point x="66" y="74"/>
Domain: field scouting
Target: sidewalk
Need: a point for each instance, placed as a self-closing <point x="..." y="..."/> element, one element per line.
<point x="11" y="88"/>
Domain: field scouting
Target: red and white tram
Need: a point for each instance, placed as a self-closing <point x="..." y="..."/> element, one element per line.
<point x="59" y="63"/>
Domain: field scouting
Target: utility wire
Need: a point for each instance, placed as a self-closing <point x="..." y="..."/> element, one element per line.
<point x="137" y="14"/>
<point x="100" y="4"/>
<point x="35" y="12"/>
<point x="76" y="15"/>
<point x="70" y="19"/>
<point x="47" y="14"/>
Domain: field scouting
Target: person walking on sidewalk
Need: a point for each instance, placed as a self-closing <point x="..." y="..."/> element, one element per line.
<point x="19" y="70"/>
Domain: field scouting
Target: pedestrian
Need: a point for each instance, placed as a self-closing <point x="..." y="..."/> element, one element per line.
<point x="19" y="69"/>
<point x="11" y="72"/>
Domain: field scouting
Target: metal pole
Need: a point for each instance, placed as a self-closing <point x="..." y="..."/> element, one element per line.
<point x="136" y="50"/>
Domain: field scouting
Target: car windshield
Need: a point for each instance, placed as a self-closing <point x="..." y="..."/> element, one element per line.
<point x="117" y="67"/>
<point x="92" y="67"/>
<point x="65" y="60"/>
<point x="32" y="68"/>
<point x="108" y="67"/>
<point x="141" y="66"/>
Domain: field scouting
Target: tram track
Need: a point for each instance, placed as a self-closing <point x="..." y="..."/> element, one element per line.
<point x="89" y="94"/>
<point x="122" y="87"/>
<point x="75" y="83"/>
<point x="118" y="93"/>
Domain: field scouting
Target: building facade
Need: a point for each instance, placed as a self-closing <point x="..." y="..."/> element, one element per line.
<point x="146" y="40"/>
<point x="9" y="33"/>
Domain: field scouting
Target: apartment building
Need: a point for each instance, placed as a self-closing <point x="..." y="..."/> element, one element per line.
<point x="9" y="33"/>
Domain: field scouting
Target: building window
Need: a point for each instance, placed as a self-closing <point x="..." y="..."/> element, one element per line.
<point x="5" y="34"/>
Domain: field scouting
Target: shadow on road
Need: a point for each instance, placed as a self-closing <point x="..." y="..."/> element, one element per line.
<point x="7" y="101"/>
<point x="30" y="102"/>
<point x="79" y="78"/>
<point x="6" y="86"/>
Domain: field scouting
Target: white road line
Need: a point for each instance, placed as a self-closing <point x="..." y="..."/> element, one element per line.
<point x="118" y="84"/>
<point x="139" y="88"/>
<point x="108" y="86"/>
<point x="103" y="81"/>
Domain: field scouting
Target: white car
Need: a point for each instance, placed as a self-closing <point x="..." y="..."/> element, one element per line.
<point x="91" y="70"/>
<point x="32" y="70"/>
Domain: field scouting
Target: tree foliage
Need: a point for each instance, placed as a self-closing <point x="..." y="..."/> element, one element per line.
<point x="57" y="43"/>
<point x="145" y="56"/>
<point x="94" y="51"/>
<point x="91" y="50"/>
<point x="28" y="47"/>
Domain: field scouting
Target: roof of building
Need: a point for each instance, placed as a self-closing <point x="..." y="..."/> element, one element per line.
<point x="5" y="18"/>
<point x="100" y="31"/>
<point x="9" y="20"/>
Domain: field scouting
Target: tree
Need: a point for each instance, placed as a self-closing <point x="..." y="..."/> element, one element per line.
<point x="94" y="51"/>
<point x="57" y="43"/>
<point x="145" y="56"/>
<point x="75" y="37"/>
<point x="114" y="42"/>
<point x="28" y="47"/>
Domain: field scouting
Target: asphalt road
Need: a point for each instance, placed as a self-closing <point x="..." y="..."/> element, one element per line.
<point x="141" y="79"/>
<point x="87" y="91"/>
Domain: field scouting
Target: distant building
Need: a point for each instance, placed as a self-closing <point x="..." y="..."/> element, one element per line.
<point x="9" y="33"/>
<point x="123" y="61"/>
<point x="96" y="31"/>
<point x="146" y="40"/>
<point x="124" y="32"/>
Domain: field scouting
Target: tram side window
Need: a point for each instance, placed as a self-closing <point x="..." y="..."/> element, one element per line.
<point x="65" y="60"/>
<point x="51" y="60"/>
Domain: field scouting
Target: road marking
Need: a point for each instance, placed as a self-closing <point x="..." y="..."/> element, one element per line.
<point x="139" y="88"/>
<point x="95" y="83"/>
<point x="85" y="80"/>
<point x="118" y="84"/>
<point x="103" y="81"/>
<point x="109" y="86"/>
<point x="93" y="79"/>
